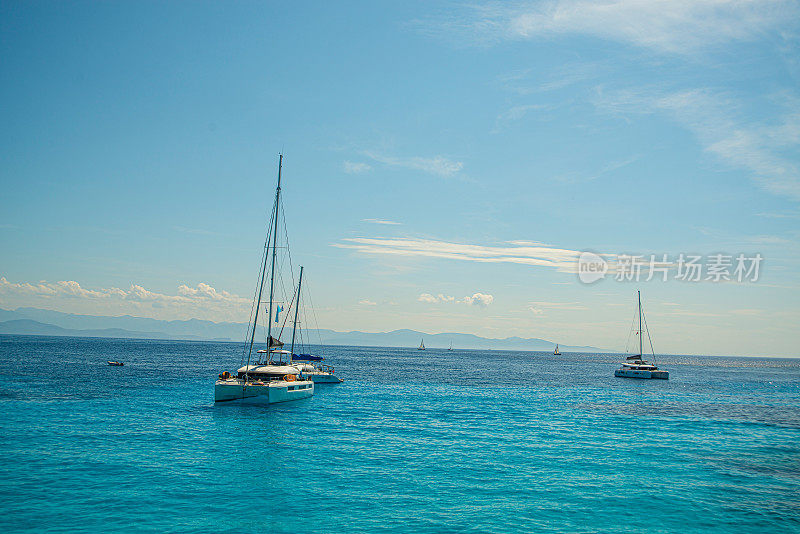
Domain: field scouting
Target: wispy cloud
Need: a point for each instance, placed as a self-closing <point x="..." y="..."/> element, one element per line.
<point x="437" y="165"/>
<point x="380" y="221"/>
<point x="480" y="300"/>
<point x="367" y="302"/>
<point x="526" y="254"/>
<point x="672" y="26"/>
<point x="541" y="307"/>
<point x="716" y="121"/>
<point x="779" y="215"/>
<point x="513" y="114"/>
<point x="351" y="167"/>
<point x="767" y="240"/>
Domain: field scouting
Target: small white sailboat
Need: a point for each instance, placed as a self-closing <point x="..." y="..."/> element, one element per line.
<point x="556" y="352"/>
<point x="635" y="366"/>
<point x="451" y="346"/>
<point x="421" y="345"/>
<point x="266" y="381"/>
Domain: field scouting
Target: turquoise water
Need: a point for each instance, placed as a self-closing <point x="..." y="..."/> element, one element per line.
<point x="435" y="441"/>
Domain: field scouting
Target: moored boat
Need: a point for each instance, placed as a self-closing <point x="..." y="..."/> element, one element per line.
<point x="263" y="384"/>
<point x="635" y="366"/>
<point x="267" y="381"/>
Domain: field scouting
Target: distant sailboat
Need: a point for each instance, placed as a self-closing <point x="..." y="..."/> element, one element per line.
<point x="451" y="346"/>
<point x="556" y="352"/>
<point x="635" y="366"/>
<point x="421" y="345"/>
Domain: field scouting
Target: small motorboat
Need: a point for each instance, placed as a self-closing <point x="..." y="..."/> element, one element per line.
<point x="118" y="364"/>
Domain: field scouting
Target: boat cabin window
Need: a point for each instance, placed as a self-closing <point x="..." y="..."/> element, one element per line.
<point x="262" y="376"/>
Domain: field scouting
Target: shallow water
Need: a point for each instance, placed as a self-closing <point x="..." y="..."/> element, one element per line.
<point x="412" y="441"/>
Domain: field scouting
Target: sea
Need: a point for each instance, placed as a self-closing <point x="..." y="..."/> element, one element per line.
<point x="412" y="441"/>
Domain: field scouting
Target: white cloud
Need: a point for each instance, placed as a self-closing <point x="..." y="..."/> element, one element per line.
<point x="380" y="221"/>
<point x="673" y="26"/>
<point x="203" y="293"/>
<point x="366" y="302"/>
<point x="480" y="300"/>
<point x="351" y="167"/>
<point x="521" y="252"/>
<point x="543" y="305"/>
<point x="438" y="165"/>
<point x="433" y="299"/>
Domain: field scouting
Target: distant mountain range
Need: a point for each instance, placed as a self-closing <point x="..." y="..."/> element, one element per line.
<point x="38" y="322"/>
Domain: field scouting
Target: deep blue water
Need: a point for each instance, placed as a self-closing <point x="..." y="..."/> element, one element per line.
<point x="463" y="441"/>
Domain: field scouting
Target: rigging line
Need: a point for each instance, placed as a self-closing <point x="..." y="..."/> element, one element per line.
<point x="259" y="289"/>
<point x="251" y="319"/>
<point x="288" y="251"/>
<point x="630" y="331"/>
<point x="652" y="351"/>
<point x="314" y="314"/>
<point x="288" y="313"/>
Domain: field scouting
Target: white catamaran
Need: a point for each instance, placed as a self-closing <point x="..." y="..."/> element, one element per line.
<point x="267" y="381"/>
<point x="635" y="366"/>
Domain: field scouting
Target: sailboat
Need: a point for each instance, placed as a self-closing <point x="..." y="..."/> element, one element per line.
<point x="556" y="352"/>
<point x="266" y="381"/>
<point x="310" y="365"/>
<point x="635" y="366"/>
<point x="451" y="346"/>
<point x="421" y="345"/>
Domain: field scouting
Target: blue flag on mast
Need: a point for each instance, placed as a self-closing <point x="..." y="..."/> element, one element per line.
<point x="278" y="312"/>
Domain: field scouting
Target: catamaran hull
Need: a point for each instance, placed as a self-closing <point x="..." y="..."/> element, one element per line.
<point x="234" y="391"/>
<point x="324" y="379"/>
<point x="632" y="373"/>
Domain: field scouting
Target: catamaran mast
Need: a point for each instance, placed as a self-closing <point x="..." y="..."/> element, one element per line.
<point x="639" y="294"/>
<point x="274" y="251"/>
<point x="296" y="309"/>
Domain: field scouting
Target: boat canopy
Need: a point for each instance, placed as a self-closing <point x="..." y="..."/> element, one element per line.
<point x="307" y="358"/>
<point x="634" y="357"/>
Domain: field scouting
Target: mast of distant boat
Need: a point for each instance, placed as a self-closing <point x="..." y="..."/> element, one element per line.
<point x="639" y="294"/>
<point x="274" y="252"/>
<point x="296" y="310"/>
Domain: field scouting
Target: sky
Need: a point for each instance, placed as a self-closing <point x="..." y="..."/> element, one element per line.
<point x="445" y="163"/>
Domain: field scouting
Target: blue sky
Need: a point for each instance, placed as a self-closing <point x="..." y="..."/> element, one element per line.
<point x="140" y="141"/>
